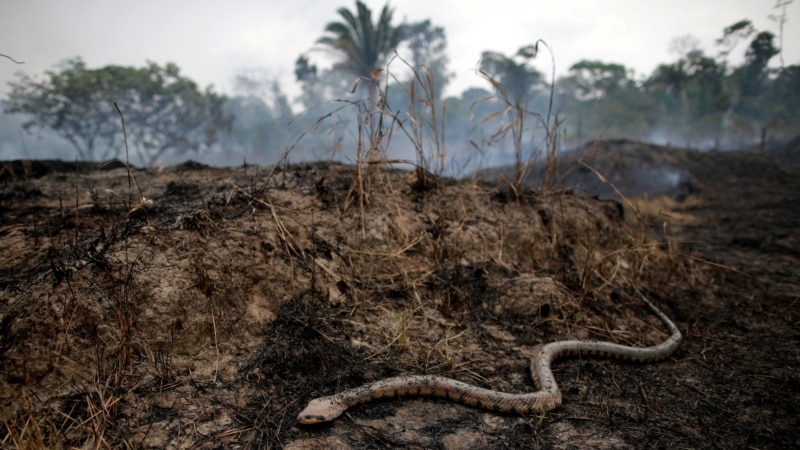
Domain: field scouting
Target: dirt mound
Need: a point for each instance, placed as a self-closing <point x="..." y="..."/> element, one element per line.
<point x="786" y="155"/>
<point x="25" y="169"/>
<point x="612" y="169"/>
<point x="203" y="307"/>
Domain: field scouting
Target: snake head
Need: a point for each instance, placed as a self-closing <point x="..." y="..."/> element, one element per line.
<point x="321" y="410"/>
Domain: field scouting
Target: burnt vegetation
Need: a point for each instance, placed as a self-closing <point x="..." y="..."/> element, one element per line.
<point x="193" y="306"/>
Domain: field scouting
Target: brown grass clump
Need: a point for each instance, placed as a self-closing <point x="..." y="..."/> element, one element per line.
<point x="205" y="307"/>
<point x="124" y="329"/>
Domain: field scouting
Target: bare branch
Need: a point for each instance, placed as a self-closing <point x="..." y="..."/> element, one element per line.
<point x="12" y="59"/>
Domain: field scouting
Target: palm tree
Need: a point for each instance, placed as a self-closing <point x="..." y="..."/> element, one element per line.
<point x="364" y="45"/>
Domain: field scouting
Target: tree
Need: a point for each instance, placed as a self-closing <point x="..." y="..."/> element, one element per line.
<point x="672" y="79"/>
<point x="163" y="111"/>
<point x="783" y="100"/>
<point x="602" y="99"/>
<point x="69" y="104"/>
<point x="363" y="45"/>
<point x="675" y="78"/>
<point x="515" y="73"/>
<point x="428" y="46"/>
<point x="596" y="79"/>
<point x="706" y="89"/>
<point x="693" y="95"/>
<point x="306" y="74"/>
<point x="732" y="34"/>
<point x="758" y="54"/>
<point x="515" y="82"/>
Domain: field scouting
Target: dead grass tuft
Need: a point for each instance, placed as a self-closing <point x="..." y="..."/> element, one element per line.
<point x="205" y="307"/>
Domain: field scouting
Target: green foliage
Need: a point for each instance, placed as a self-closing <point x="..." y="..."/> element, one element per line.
<point x="402" y="84"/>
<point x="428" y="46"/>
<point x="530" y="129"/>
<point x="594" y="79"/>
<point x="702" y="98"/>
<point x="163" y="110"/>
<point x="753" y="73"/>
<point x="516" y="73"/>
<point x="306" y="74"/>
<point x="734" y="33"/>
<point x="695" y="99"/>
<point x="786" y="88"/>
<point x="602" y="99"/>
<point x="304" y="71"/>
<point x="365" y="46"/>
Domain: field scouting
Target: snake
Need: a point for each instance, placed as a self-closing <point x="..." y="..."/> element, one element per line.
<point x="547" y="398"/>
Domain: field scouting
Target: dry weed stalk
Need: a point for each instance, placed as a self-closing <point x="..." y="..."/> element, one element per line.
<point x="425" y="127"/>
<point x="24" y="430"/>
<point x="514" y="115"/>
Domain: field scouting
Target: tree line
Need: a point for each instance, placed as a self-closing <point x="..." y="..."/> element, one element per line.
<point x="699" y="99"/>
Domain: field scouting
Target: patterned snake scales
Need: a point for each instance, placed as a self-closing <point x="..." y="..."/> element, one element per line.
<point x="548" y="397"/>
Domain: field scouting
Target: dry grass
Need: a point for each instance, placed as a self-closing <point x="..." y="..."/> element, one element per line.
<point x="417" y="285"/>
<point x="413" y="270"/>
<point x="515" y="117"/>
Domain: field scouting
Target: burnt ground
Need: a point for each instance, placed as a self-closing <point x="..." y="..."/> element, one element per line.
<point x="209" y="313"/>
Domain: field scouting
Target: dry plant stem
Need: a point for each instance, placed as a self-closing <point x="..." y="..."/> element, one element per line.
<point x="12" y="59"/>
<point x="513" y="118"/>
<point x="548" y="396"/>
<point x="606" y="181"/>
<point x="216" y="344"/>
<point x="25" y="431"/>
<point x="430" y="118"/>
<point x="141" y="202"/>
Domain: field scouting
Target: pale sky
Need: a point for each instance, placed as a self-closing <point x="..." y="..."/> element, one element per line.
<point x="211" y="41"/>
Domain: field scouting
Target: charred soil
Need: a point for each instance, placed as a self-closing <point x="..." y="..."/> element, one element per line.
<point x="203" y="308"/>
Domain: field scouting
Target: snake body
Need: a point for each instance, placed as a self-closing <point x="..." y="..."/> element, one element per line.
<point x="547" y="398"/>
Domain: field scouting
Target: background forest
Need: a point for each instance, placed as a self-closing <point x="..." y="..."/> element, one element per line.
<point x="697" y="100"/>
